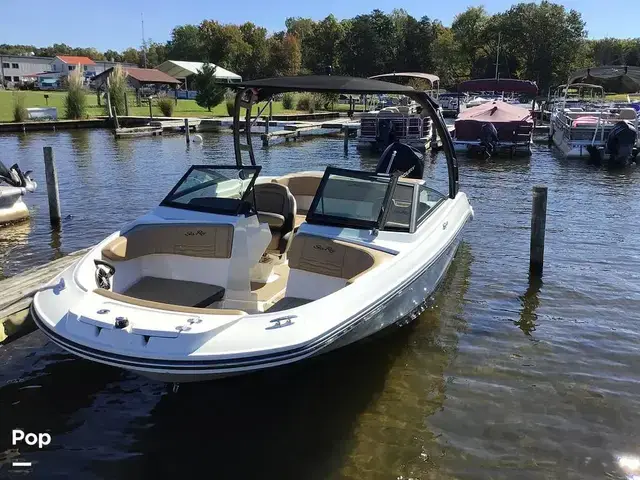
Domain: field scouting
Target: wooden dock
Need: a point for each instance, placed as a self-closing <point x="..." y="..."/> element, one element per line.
<point x="137" y="132"/>
<point x="294" y="129"/>
<point x="176" y="125"/>
<point x="18" y="291"/>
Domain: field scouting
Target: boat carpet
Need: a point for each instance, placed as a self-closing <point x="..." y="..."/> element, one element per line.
<point x="175" y="292"/>
<point x="286" y="303"/>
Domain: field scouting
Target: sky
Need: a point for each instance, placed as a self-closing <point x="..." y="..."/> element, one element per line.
<point x="116" y="24"/>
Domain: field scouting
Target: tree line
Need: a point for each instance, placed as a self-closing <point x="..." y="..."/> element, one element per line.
<point x="542" y="42"/>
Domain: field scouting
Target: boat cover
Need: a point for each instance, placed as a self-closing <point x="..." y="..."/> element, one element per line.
<point x="513" y="123"/>
<point x="499" y="85"/>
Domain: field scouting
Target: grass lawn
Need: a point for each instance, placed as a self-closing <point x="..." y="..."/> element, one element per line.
<point x="185" y="108"/>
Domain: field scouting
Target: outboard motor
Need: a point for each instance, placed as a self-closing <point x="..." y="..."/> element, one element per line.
<point x="621" y="142"/>
<point x="489" y="137"/>
<point x="16" y="178"/>
<point x="403" y="158"/>
<point x="385" y="133"/>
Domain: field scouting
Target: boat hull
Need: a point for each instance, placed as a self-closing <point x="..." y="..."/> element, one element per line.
<point x="16" y="212"/>
<point x="402" y="306"/>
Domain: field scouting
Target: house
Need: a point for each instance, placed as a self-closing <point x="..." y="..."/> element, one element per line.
<point x="17" y="69"/>
<point x="184" y="71"/>
<point x="65" y="64"/>
<point x="138" y="78"/>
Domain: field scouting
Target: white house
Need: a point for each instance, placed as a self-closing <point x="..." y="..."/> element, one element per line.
<point x="63" y="65"/>
<point x="15" y="69"/>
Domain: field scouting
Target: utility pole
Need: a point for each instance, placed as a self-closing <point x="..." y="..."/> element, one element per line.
<point x="144" y="44"/>
<point x="498" y="56"/>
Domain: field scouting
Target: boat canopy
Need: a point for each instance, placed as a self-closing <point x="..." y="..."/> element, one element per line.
<point x="614" y="78"/>
<point x="252" y="91"/>
<point x="499" y="85"/>
<point x="496" y="112"/>
<point x="433" y="79"/>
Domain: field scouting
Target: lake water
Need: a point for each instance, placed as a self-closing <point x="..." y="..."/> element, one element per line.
<point x="500" y="379"/>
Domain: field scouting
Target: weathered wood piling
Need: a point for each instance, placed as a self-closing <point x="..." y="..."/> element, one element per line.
<point x="53" y="193"/>
<point x="538" y="225"/>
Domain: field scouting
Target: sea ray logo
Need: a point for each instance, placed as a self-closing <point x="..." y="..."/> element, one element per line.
<point x="199" y="233"/>
<point x="324" y="249"/>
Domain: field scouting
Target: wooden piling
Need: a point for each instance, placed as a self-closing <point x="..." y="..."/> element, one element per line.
<point x="126" y="104"/>
<point x="538" y="224"/>
<point x="186" y="130"/>
<point x="346" y="138"/>
<point x="115" y="118"/>
<point x="108" y="93"/>
<point x="52" y="186"/>
<point x="150" y="109"/>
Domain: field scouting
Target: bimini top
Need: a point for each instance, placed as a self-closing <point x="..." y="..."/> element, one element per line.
<point x="499" y="85"/>
<point x="320" y="84"/>
<point x="615" y="78"/>
<point x="425" y="76"/>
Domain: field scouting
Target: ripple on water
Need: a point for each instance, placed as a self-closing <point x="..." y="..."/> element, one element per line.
<point x="502" y="378"/>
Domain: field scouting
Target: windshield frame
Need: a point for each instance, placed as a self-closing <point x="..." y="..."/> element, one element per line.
<point x="316" y="218"/>
<point x="242" y="206"/>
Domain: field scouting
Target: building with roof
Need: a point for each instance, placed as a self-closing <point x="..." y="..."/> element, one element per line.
<point x="16" y="69"/>
<point x="183" y="71"/>
<point x="137" y="78"/>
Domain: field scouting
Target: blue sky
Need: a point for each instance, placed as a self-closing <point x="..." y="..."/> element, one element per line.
<point x="115" y="24"/>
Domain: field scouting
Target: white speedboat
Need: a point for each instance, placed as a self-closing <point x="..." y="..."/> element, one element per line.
<point x="236" y="272"/>
<point x="14" y="184"/>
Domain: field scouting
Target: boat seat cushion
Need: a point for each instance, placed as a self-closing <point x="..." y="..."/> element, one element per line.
<point x="303" y="186"/>
<point x="286" y="303"/>
<point x="333" y="258"/>
<point x="277" y="207"/>
<point x="203" y="241"/>
<point x="175" y="292"/>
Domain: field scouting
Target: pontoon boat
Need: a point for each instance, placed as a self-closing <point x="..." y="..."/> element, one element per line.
<point x="236" y="272"/>
<point x="594" y="128"/>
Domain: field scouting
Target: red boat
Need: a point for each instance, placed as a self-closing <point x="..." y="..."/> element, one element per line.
<point x="496" y="125"/>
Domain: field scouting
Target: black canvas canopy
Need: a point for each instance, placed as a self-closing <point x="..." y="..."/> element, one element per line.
<point x="252" y="91"/>
<point x="321" y="84"/>
<point x="499" y="85"/>
<point x="614" y="78"/>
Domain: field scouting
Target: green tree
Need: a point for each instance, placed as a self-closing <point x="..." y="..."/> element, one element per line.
<point x="468" y="29"/>
<point x="131" y="55"/>
<point x="210" y="93"/>
<point x="224" y="44"/>
<point x="256" y="56"/>
<point x="323" y="48"/>
<point x="186" y="44"/>
<point x="285" y="55"/>
<point x="112" y="55"/>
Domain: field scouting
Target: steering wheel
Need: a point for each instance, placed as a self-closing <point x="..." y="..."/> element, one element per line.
<point x="104" y="272"/>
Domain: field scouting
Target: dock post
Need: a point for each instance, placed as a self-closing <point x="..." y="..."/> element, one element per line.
<point x="265" y="139"/>
<point x="150" y="111"/>
<point x="52" y="186"/>
<point x="270" y="109"/>
<point x="126" y="104"/>
<point x="115" y="118"/>
<point x="538" y="224"/>
<point x="346" y="138"/>
<point x="108" y="93"/>
<point x="186" y="130"/>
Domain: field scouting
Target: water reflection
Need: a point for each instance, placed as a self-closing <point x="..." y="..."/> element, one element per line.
<point x="81" y="146"/>
<point x="12" y="237"/>
<point x="530" y="302"/>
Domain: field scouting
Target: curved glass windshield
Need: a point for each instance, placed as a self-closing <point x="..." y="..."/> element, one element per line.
<point x="215" y="189"/>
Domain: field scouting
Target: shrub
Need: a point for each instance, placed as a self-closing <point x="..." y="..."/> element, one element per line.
<point x="306" y="102"/>
<point x="230" y="101"/>
<point x="19" y="110"/>
<point x="288" y="100"/>
<point x="117" y="89"/>
<point x="326" y="101"/>
<point x="166" y="105"/>
<point x="75" y="102"/>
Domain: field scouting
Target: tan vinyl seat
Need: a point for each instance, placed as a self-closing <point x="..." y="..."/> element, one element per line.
<point x="277" y="207"/>
<point x="203" y="241"/>
<point x="303" y="187"/>
<point x="333" y="258"/>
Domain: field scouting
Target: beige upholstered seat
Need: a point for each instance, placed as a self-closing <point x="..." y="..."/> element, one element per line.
<point x="204" y="241"/>
<point x="333" y="258"/>
<point x="303" y="186"/>
<point x="175" y="292"/>
<point x="277" y="207"/>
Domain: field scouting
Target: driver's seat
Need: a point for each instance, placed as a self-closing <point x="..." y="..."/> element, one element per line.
<point x="276" y="206"/>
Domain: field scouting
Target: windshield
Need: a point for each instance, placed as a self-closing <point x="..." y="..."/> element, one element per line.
<point x="215" y="189"/>
<point x="350" y="199"/>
